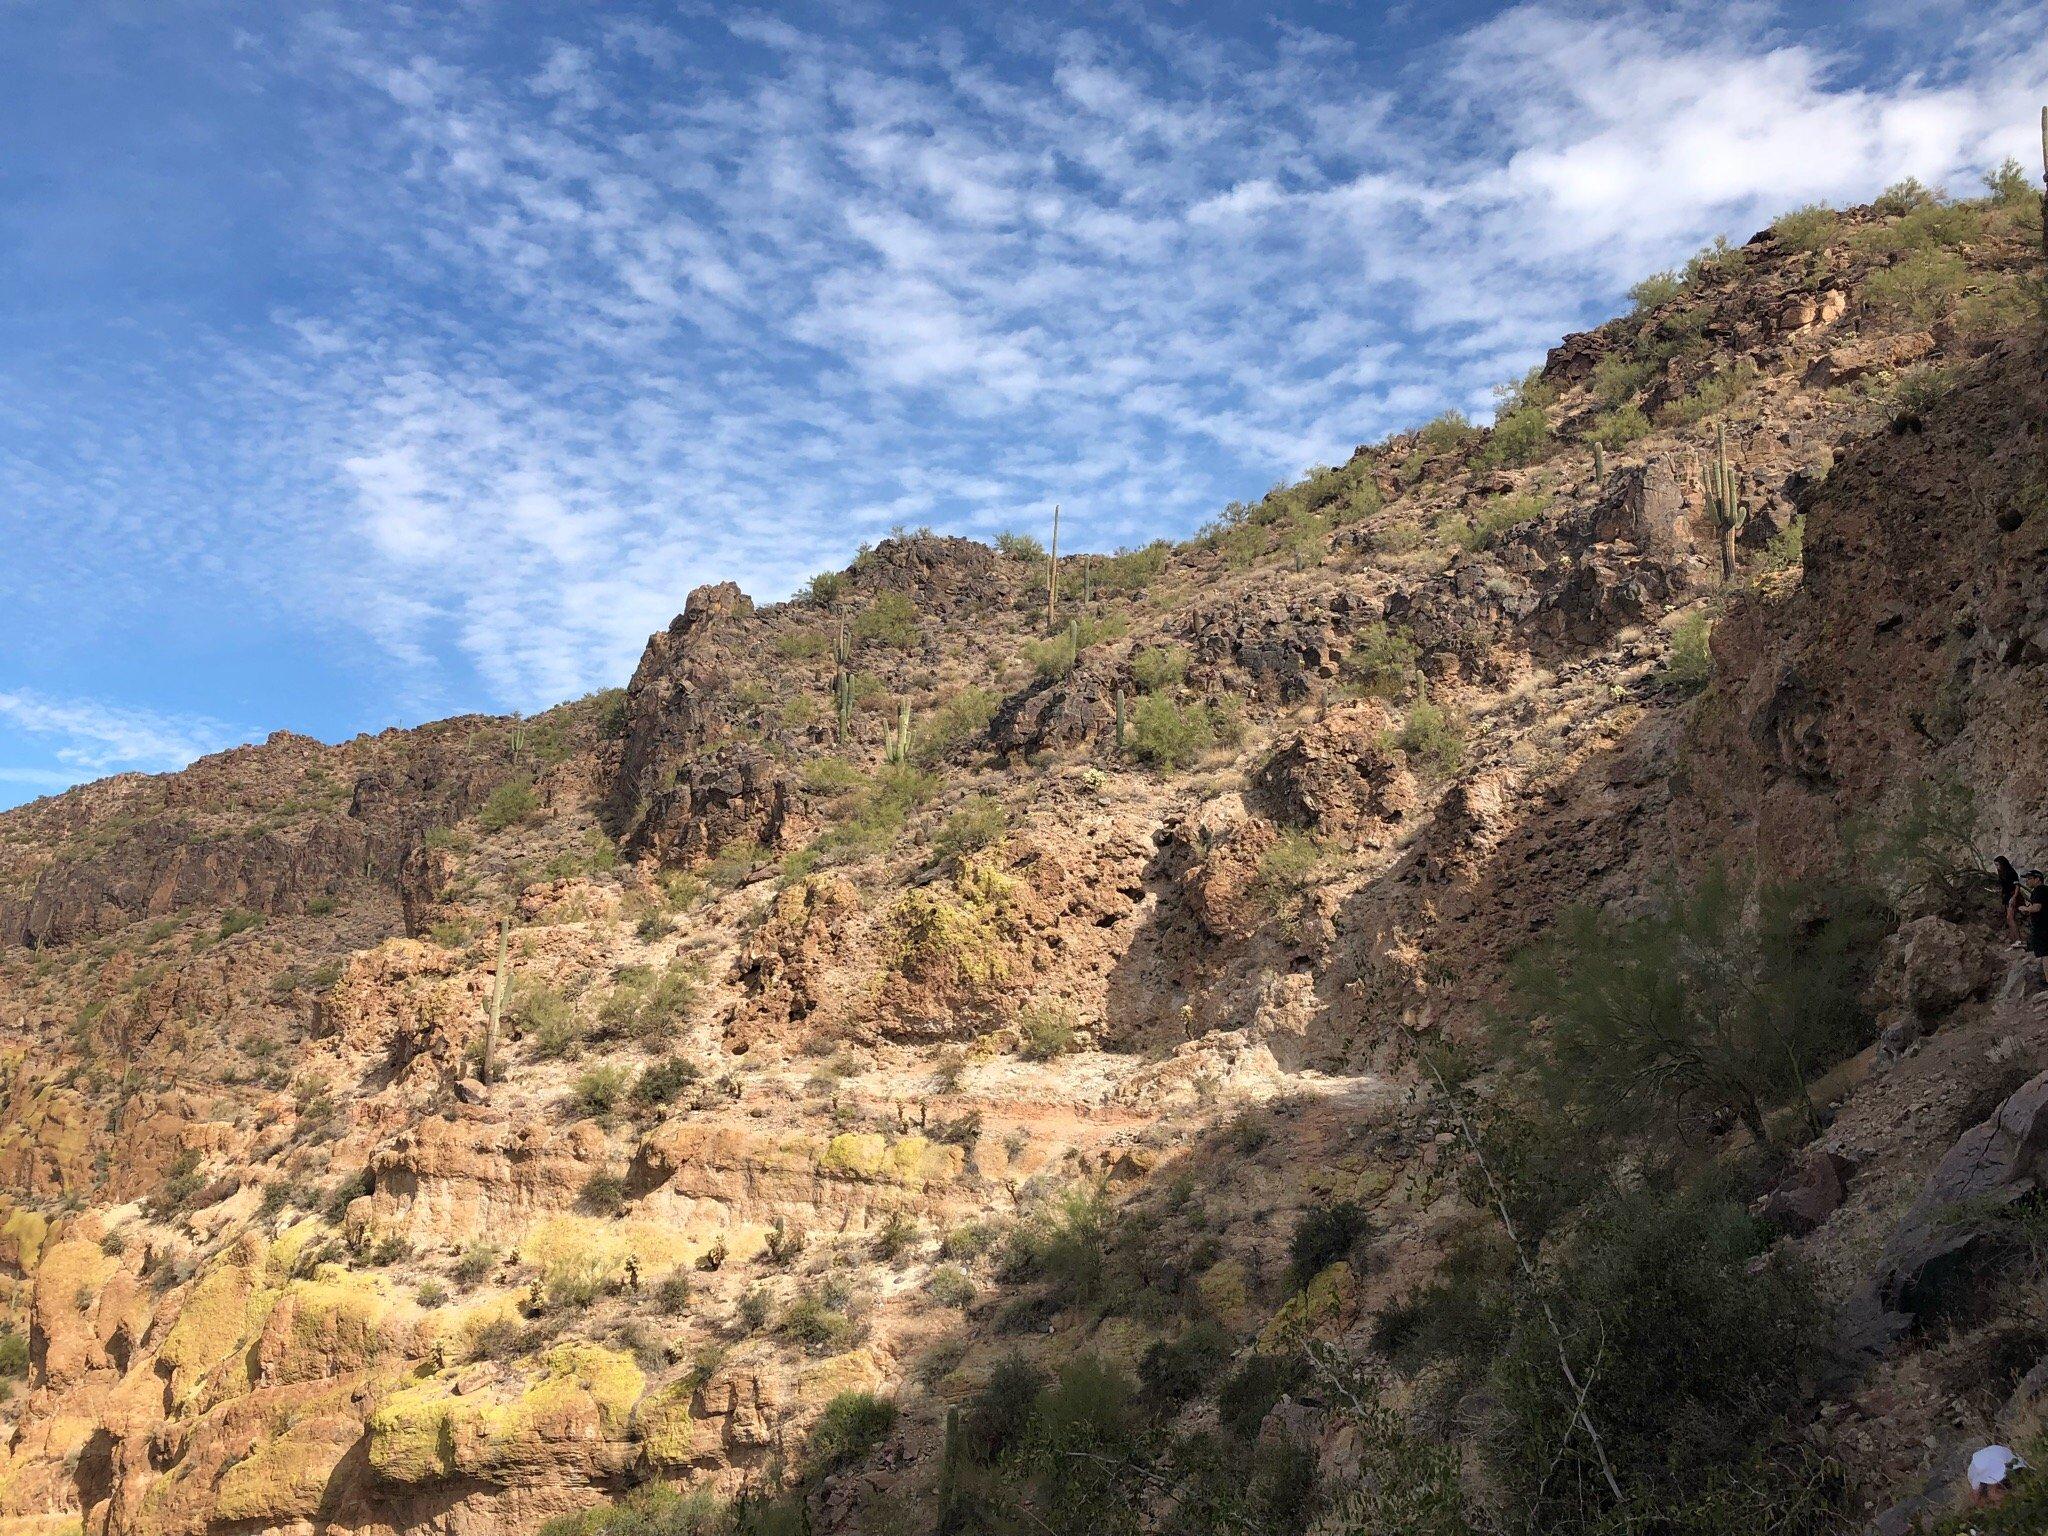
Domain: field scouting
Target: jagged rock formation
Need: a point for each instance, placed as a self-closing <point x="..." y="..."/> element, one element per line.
<point x="793" y="1035"/>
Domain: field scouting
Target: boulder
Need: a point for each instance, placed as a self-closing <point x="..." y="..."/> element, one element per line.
<point x="1929" y="967"/>
<point x="1810" y="1194"/>
<point x="1336" y="777"/>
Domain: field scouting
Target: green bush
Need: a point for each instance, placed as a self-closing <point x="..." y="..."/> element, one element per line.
<point x="851" y="1426"/>
<point x="1131" y="570"/>
<point x="1712" y="394"/>
<point x="1519" y="436"/>
<point x="546" y="1018"/>
<point x="237" y="920"/>
<point x="1809" y="229"/>
<point x="1174" y="1370"/>
<point x="1681" y="1343"/>
<point x="1381" y="664"/>
<point x="950" y="1287"/>
<point x="1450" y="430"/>
<point x="653" y="1510"/>
<point x="825" y="588"/>
<point x="1620" y="376"/>
<point x="603" y="1194"/>
<point x="663" y="1082"/>
<point x="1920" y="287"/>
<point x="1657" y="289"/>
<point x="13" y="1355"/>
<point x="1690" y="667"/>
<point x="1044" y="1031"/>
<point x="510" y="803"/>
<point x="600" y="1090"/>
<point x="1290" y="871"/>
<point x="475" y="1263"/>
<point x="650" y="1006"/>
<point x="961" y="719"/>
<point x="1169" y="735"/>
<point x="813" y="1323"/>
<point x="979" y="822"/>
<point x="1158" y="667"/>
<point x="1483" y="528"/>
<point x="1021" y="546"/>
<point x="1432" y="737"/>
<point x="1719" y="999"/>
<point x="803" y="644"/>
<point x="1619" y="427"/>
<point x="1324" y="1235"/>
<point x="891" y="619"/>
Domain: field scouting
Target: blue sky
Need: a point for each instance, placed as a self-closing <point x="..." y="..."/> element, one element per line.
<point x="368" y="364"/>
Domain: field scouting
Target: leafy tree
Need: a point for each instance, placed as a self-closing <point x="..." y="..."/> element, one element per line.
<point x="1717" y="1000"/>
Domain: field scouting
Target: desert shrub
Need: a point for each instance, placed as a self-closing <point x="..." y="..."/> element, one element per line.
<point x="1325" y="1234"/>
<point x="1787" y="547"/>
<point x="803" y="644"/>
<point x="1432" y="737"/>
<point x="1021" y="546"/>
<point x="653" y="1510"/>
<point x="1044" y="1031"/>
<point x="891" y="619"/>
<point x="510" y="803"/>
<point x="603" y="1194"/>
<point x="1620" y="376"/>
<point x="962" y="718"/>
<point x="1919" y="287"/>
<point x="1290" y="870"/>
<point x="430" y="1294"/>
<point x="1177" y="1369"/>
<point x="1483" y="528"/>
<point x="1807" y="229"/>
<point x="1381" y="663"/>
<point x="814" y="1324"/>
<point x="1449" y="430"/>
<point x="825" y="588"/>
<point x="754" y="1308"/>
<point x="664" y="1081"/>
<point x="1690" y="666"/>
<point x="1917" y="392"/>
<point x="1619" y="427"/>
<point x="237" y="920"/>
<point x="1131" y="570"/>
<point x="600" y="1090"/>
<point x="1064" y="1242"/>
<point x="1658" y="288"/>
<point x="546" y="1018"/>
<point x="13" y="1355"/>
<point x="1158" y="666"/>
<point x="475" y="1263"/>
<point x="1719" y="999"/>
<point x="898" y="1236"/>
<point x="1171" y="735"/>
<point x="1712" y="394"/>
<point x="1926" y="850"/>
<point x="648" y="1005"/>
<point x="1520" y="435"/>
<point x="672" y="1295"/>
<point x="1080" y="1444"/>
<point x="852" y="1425"/>
<point x="950" y="1287"/>
<point x="1694" y="1349"/>
<point x="980" y="821"/>
<point x="1905" y="196"/>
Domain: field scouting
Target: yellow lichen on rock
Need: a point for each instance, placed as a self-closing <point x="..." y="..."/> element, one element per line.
<point x="1324" y="1300"/>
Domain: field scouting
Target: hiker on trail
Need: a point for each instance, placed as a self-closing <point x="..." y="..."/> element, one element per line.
<point x="1991" y="1471"/>
<point x="2033" y="906"/>
<point x="2009" y="898"/>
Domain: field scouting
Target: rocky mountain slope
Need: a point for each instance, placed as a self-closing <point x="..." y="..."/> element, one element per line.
<point x="905" y="991"/>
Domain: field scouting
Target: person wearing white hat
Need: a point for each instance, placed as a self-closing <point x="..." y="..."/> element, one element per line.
<point x="1991" y="1472"/>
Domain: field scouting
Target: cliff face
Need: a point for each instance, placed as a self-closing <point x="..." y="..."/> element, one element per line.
<point x="1149" y="927"/>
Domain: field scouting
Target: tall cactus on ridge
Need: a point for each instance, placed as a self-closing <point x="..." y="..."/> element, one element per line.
<point x="842" y="681"/>
<point x="1052" y="572"/>
<point x="1724" y="500"/>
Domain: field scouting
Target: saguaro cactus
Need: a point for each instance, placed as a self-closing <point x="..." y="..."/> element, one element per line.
<point x="1119" y="719"/>
<point x="896" y="738"/>
<point x="842" y="681"/>
<point x="1052" y="572"/>
<point x="501" y="981"/>
<point x="1599" y="465"/>
<point x="1724" y="500"/>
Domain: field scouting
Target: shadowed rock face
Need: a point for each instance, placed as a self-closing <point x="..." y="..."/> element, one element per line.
<point x="756" y="1137"/>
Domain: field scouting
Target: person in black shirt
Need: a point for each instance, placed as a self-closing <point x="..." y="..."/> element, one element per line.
<point x="2034" y="908"/>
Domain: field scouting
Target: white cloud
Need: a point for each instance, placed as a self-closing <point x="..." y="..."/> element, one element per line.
<point x="97" y="737"/>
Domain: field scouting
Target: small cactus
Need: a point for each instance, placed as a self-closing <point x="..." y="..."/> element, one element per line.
<point x="1599" y="465"/>
<point x="1119" y="719"/>
<point x="842" y="682"/>
<point x="1724" y="500"/>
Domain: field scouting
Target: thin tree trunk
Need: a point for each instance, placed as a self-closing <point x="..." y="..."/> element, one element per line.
<point x="1052" y="572"/>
